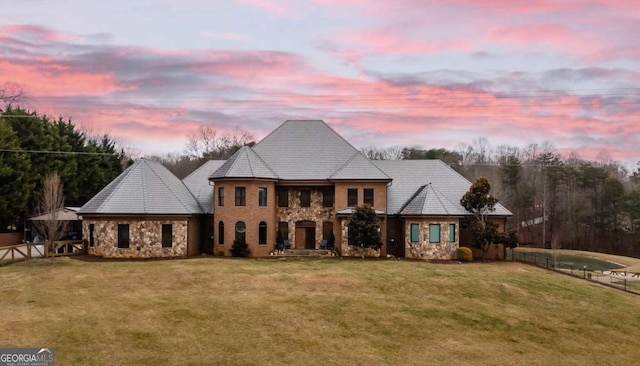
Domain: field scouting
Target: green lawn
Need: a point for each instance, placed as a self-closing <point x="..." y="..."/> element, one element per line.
<point x="313" y="311"/>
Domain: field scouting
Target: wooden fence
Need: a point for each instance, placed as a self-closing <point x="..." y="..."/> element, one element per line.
<point x="21" y="252"/>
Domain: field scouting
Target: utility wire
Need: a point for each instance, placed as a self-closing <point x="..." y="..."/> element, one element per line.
<point x="55" y="152"/>
<point x="523" y="164"/>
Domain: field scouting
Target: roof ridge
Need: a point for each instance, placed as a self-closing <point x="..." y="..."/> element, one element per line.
<point x="376" y="165"/>
<point x="273" y="131"/>
<point x="344" y="165"/>
<point x="177" y="196"/>
<point x="233" y="159"/>
<point x="201" y="166"/>
<point x="117" y="187"/>
<point x="263" y="162"/>
<point x="413" y="196"/>
<point x="439" y="197"/>
<point x="246" y="154"/>
<point x="355" y="155"/>
<point x="144" y="186"/>
<point x="451" y="169"/>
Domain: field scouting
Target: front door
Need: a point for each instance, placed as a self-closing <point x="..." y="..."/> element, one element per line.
<point x="305" y="235"/>
<point x="310" y="238"/>
<point x="301" y="237"/>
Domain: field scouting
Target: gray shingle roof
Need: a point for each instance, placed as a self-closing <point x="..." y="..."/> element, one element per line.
<point x="245" y="163"/>
<point x="411" y="179"/>
<point x="359" y="167"/>
<point x="198" y="183"/>
<point x="306" y="150"/>
<point x="146" y="187"/>
<point x="428" y="200"/>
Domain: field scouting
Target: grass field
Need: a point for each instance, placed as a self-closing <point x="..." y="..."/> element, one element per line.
<point x="313" y="312"/>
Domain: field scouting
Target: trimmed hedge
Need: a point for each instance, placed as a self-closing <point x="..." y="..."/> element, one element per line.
<point x="464" y="254"/>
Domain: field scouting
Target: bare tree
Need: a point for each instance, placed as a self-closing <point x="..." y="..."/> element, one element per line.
<point x="11" y="93"/>
<point x="385" y="153"/>
<point x="51" y="204"/>
<point x="207" y="142"/>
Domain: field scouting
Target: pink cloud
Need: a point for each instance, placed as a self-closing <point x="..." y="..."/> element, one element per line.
<point x="155" y="94"/>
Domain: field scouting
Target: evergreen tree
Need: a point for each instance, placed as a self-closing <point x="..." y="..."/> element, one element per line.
<point x="49" y="146"/>
<point x="16" y="186"/>
<point x="364" y="228"/>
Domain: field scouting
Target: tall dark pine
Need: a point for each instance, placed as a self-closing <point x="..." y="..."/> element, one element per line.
<point x="15" y="188"/>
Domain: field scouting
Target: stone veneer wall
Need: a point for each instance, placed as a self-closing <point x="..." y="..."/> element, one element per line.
<point x="295" y="213"/>
<point x="425" y="250"/>
<point x="145" y="238"/>
<point x="347" y="250"/>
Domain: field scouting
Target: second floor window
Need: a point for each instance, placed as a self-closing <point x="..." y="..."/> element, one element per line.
<point x="352" y="197"/>
<point x="368" y="196"/>
<point x="262" y="196"/>
<point x="221" y="196"/>
<point x="305" y="198"/>
<point x="283" y="198"/>
<point x="241" y="196"/>
<point x="327" y="198"/>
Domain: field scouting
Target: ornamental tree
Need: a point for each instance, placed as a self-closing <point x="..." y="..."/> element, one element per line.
<point x="364" y="228"/>
<point x="479" y="202"/>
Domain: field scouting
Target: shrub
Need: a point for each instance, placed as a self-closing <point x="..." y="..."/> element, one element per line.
<point x="331" y="242"/>
<point x="219" y="252"/>
<point x="240" y="249"/>
<point x="464" y="254"/>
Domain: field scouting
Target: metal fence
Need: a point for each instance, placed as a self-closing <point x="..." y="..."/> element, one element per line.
<point x="616" y="278"/>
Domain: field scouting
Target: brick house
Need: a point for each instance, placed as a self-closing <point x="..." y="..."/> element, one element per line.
<point x="300" y="184"/>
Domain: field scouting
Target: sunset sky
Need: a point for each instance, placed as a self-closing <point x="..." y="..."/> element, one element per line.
<point x="382" y="73"/>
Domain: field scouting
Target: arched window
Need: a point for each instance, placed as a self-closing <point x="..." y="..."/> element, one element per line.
<point x="262" y="232"/>
<point x="220" y="232"/>
<point x="241" y="232"/>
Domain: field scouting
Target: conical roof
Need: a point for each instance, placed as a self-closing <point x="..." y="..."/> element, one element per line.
<point x="146" y="187"/>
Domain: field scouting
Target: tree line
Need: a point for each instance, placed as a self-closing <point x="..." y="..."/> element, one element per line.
<point x="34" y="146"/>
<point x="557" y="201"/>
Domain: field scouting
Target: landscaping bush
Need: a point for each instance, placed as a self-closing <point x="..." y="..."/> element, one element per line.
<point x="240" y="249"/>
<point x="219" y="252"/>
<point x="464" y="254"/>
<point x="331" y="243"/>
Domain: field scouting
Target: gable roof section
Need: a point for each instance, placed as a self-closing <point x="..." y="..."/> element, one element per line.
<point x="146" y="187"/>
<point x="198" y="184"/>
<point x="359" y="167"/>
<point x="245" y="163"/>
<point x="411" y="179"/>
<point x="306" y="150"/>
